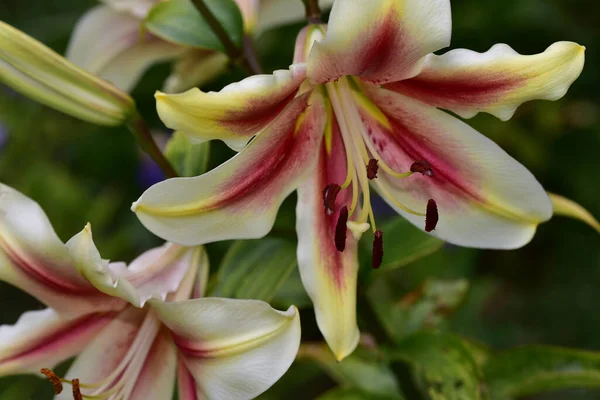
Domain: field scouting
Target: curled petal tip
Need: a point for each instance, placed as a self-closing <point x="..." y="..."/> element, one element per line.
<point x="134" y="206"/>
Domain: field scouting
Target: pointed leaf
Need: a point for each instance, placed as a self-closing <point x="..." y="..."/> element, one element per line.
<point x="529" y="370"/>
<point x="188" y="159"/>
<point x="443" y="364"/>
<point x="255" y="269"/>
<point x="178" y="21"/>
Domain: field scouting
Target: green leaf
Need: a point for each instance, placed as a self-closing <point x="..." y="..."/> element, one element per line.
<point x="19" y="387"/>
<point x="426" y="307"/>
<point x="255" y="269"/>
<point x="179" y="21"/>
<point x="403" y="244"/>
<point x="533" y="369"/>
<point x="188" y="159"/>
<point x="292" y="292"/>
<point x="364" y="370"/>
<point x="443" y="364"/>
<point x="351" y="394"/>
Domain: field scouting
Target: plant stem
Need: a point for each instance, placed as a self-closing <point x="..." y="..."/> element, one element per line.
<point x="243" y="56"/>
<point x="141" y="132"/>
<point x="313" y="12"/>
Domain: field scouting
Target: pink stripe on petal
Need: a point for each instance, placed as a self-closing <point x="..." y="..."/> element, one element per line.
<point x="56" y="345"/>
<point x="240" y="198"/>
<point x="329" y="276"/>
<point x="41" y="272"/>
<point x="186" y="383"/>
<point x="459" y="90"/>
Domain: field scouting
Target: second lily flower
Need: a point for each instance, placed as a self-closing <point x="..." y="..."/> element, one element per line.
<point x="358" y="107"/>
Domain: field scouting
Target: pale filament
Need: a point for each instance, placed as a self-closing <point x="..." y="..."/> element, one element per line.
<point x="354" y="119"/>
<point x="129" y="367"/>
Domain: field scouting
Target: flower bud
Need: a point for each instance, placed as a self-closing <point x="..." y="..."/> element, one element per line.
<point x="38" y="72"/>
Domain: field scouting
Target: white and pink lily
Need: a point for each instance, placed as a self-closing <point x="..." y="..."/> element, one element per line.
<point x="109" y="41"/>
<point x="130" y="343"/>
<point x="359" y="107"/>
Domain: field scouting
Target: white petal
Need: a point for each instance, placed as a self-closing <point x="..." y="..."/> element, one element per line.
<point x="235" y="349"/>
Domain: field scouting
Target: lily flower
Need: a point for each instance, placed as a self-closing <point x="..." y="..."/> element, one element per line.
<point x="359" y="107"/>
<point x="109" y="41"/>
<point x="130" y="343"/>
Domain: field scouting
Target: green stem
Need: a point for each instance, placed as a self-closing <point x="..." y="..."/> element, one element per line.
<point x="234" y="53"/>
<point x="141" y="132"/>
<point x="313" y="12"/>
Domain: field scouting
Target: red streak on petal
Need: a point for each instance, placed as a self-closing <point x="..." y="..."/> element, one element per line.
<point x="460" y="90"/>
<point x="64" y="337"/>
<point x="332" y="167"/>
<point x="35" y="270"/>
<point x="258" y="115"/>
<point x="275" y="160"/>
<point x="185" y="382"/>
<point x="447" y="175"/>
<point x="191" y="348"/>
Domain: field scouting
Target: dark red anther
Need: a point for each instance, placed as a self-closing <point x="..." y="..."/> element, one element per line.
<point x="423" y="167"/>
<point x="431" y="216"/>
<point x="340" y="229"/>
<point x="372" y="169"/>
<point x="377" y="257"/>
<point x="329" y="194"/>
<point x="76" y="391"/>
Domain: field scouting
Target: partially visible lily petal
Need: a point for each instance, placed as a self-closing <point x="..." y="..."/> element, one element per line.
<point x="274" y="13"/>
<point x="195" y="68"/>
<point x="234" y="349"/>
<point x="42" y="339"/>
<point x="497" y="81"/>
<point x="485" y="198"/>
<point x="240" y="198"/>
<point x="329" y="276"/>
<point x="154" y="274"/>
<point x="236" y="113"/>
<point x="137" y="8"/>
<point x="110" y="44"/>
<point x="116" y="356"/>
<point x="33" y="258"/>
<point x="380" y="41"/>
<point x="568" y="208"/>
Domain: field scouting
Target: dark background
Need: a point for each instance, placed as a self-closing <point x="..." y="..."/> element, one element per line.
<point x="546" y="292"/>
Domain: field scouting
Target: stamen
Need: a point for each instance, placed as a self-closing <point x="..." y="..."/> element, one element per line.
<point x="329" y="195"/>
<point x="377" y="257"/>
<point x="431" y="216"/>
<point x="76" y="392"/>
<point x="372" y="169"/>
<point x="340" y="229"/>
<point x="423" y="167"/>
<point x="54" y="380"/>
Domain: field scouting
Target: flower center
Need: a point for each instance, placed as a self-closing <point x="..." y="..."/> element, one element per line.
<point x="119" y="384"/>
<point x="363" y="164"/>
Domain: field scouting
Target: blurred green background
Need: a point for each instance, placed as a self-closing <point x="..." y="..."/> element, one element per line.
<point x="545" y="293"/>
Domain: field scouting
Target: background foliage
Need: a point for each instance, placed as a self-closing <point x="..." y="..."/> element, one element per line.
<point x="442" y="322"/>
